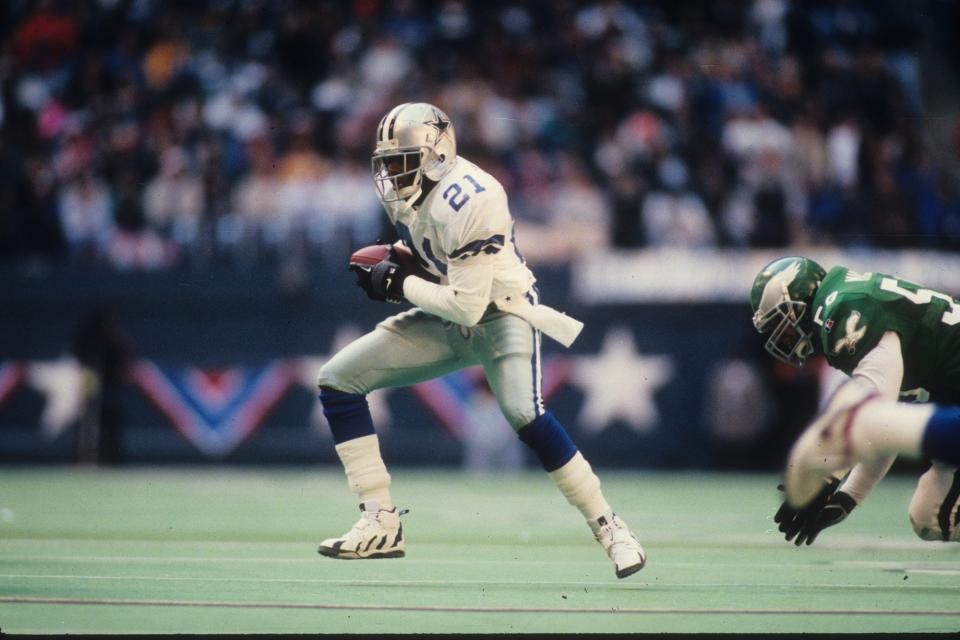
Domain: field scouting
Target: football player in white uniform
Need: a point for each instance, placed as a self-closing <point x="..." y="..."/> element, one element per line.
<point x="484" y="311"/>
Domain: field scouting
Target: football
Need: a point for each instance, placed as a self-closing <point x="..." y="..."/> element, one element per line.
<point x="367" y="257"/>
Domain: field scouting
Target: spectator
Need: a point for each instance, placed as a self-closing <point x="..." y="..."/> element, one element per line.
<point x="673" y="215"/>
<point x="46" y="39"/>
<point x="760" y="98"/>
<point x="576" y="218"/>
<point x="29" y="224"/>
<point x="810" y="148"/>
<point x="300" y="171"/>
<point x="173" y="200"/>
<point x="86" y="216"/>
<point x="627" y="191"/>
<point x="349" y="214"/>
<point x="843" y="149"/>
<point x="892" y="217"/>
<point x="751" y="135"/>
<point x="255" y="196"/>
<point x="39" y="232"/>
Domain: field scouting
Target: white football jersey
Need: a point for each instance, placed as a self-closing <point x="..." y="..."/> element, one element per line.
<point x="465" y="218"/>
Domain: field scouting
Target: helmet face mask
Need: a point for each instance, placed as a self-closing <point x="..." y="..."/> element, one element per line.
<point x="789" y="341"/>
<point x="398" y="174"/>
<point x="414" y="140"/>
<point x="781" y="297"/>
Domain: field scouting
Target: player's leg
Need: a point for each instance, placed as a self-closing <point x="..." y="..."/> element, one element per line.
<point x="935" y="506"/>
<point x="858" y="426"/>
<point x="402" y="350"/>
<point x="509" y="350"/>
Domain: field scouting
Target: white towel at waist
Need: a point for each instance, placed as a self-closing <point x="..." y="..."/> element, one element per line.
<point x="553" y="323"/>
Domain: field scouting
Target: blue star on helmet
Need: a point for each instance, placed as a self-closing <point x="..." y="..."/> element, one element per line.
<point x="439" y="123"/>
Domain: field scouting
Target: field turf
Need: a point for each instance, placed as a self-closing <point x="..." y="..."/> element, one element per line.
<point x="188" y="550"/>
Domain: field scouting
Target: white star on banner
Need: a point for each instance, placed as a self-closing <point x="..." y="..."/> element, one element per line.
<point x="309" y="367"/>
<point x="619" y="383"/>
<point x="61" y="383"/>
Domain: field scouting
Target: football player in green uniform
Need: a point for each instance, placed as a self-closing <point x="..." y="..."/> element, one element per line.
<point x="895" y="339"/>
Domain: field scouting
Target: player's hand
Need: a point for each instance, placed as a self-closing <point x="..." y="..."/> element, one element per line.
<point x="828" y="508"/>
<point x="382" y="282"/>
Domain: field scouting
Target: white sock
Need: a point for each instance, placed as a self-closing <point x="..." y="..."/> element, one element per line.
<point x="366" y="474"/>
<point x="581" y="487"/>
<point x="883" y="428"/>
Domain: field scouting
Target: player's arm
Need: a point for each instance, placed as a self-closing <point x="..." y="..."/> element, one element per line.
<point x="463" y="300"/>
<point x="879" y="371"/>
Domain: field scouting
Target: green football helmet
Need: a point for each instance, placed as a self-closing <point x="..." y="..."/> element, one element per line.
<point x="780" y="298"/>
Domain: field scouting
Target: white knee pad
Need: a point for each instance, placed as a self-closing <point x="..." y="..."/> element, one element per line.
<point x="934" y="504"/>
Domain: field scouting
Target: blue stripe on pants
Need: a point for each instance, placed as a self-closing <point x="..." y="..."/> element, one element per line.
<point x="537" y="372"/>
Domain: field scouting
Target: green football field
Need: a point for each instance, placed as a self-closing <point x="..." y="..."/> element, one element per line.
<point x="185" y="550"/>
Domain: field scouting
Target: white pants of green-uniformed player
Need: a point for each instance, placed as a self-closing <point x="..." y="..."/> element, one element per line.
<point x="935" y="506"/>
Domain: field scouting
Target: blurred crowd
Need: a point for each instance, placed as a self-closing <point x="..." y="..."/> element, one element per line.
<point x="149" y="133"/>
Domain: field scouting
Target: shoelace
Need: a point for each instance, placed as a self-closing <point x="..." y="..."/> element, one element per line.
<point x="375" y="515"/>
<point x="605" y="534"/>
<point x="608" y="534"/>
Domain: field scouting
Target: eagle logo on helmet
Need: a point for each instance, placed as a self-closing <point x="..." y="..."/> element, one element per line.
<point x="775" y="292"/>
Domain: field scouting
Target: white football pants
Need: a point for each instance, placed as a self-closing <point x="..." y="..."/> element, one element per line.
<point x="415" y="346"/>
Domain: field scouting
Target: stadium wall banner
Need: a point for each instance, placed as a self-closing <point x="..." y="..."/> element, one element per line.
<point x="705" y="276"/>
<point x="627" y="390"/>
<point x="214" y="409"/>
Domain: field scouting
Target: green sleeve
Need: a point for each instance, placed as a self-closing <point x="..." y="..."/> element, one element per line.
<point x="852" y="329"/>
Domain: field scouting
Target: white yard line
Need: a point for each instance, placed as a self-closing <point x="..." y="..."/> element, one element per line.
<point x="451" y="609"/>
<point x="521" y="583"/>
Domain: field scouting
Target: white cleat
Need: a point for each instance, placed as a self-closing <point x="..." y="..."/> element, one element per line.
<point x="377" y="534"/>
<point x="825" y="446"/>
<point x="620" y="544"/>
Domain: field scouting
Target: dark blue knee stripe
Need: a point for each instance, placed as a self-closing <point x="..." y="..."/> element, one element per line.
<point x="347" y="414"/>
<point x="549" y="440"/>
<point x="941" y="438"/>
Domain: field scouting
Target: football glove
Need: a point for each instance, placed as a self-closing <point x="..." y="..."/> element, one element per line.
<point x="830" y="507"/>
<point x="382" y="282"/>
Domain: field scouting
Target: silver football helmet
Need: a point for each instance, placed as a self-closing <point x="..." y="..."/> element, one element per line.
<point x="414" y="139"/>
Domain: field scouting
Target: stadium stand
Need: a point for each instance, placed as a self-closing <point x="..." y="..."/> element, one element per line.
<point x="144" y="134"/>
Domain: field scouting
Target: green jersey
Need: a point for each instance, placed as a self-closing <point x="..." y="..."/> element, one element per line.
<point x="851" y="312"/>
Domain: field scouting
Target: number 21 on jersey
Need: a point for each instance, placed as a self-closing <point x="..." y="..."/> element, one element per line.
<point x="457" y="196"/>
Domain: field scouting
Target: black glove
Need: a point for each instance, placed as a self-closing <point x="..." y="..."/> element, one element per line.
<point x="830" y="507"/>
<point x="382" y="282"/>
